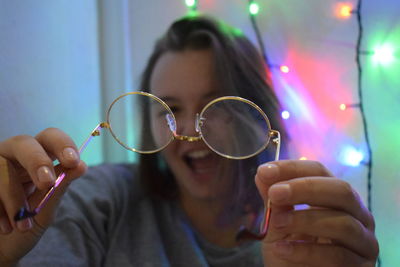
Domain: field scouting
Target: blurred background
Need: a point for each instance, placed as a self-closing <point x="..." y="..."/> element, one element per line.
<point x="63" y="62"/>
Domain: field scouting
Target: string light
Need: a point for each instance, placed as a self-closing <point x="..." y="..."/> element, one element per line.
<point x="362" y="112"/>
<point x="351" y="156"/>
<point x="253" y="11"/>
<point x="346" y="106"/>
<point x="192" y="4"/>
<point x="285" y="115"/>
<point x="344" y="10"/>
<point x="383" y="54"/>
<point x="284" y="69"/>
<point x="254" y="8"/>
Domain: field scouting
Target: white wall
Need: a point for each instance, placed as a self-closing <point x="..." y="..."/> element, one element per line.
<point x="49" y="68"/>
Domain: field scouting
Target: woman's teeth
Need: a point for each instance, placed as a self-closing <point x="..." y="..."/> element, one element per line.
<point x="198" y="154"/>
<point x="201" y="162"/>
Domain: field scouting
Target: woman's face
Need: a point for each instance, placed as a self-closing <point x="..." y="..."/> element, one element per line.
<point x="185" y="81"/>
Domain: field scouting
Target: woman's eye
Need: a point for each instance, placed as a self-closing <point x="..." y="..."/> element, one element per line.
<point x="175" y="109"/>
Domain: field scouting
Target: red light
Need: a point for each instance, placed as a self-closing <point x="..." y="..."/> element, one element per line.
<point x="342" y="106"/>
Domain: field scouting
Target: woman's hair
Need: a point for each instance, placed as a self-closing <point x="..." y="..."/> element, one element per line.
<point x="240" y="71"/>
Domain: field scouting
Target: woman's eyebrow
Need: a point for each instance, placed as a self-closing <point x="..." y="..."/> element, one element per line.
<point x="169" y="99"/>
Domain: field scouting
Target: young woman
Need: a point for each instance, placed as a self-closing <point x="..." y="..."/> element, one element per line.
<point x="184" y="205"/>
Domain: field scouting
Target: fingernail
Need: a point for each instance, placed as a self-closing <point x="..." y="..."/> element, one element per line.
<point x="5" y="226"/>
<point x="268" y="171"/>
<point x="45" y="175"/>
<point x="24" y="225"/>
<point x="283" y="248"/>
<point x="70" y="154"/>
<point x="282" y="219"/>
<point x="279" y="192"/>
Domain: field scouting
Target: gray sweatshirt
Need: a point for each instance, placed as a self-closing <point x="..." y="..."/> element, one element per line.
<point x="106" y="219"/>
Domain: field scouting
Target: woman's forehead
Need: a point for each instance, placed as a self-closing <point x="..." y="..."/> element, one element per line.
<point x="187" y="73"/>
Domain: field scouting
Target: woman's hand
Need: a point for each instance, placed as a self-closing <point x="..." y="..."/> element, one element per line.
<point x="26" y="174"/>
<point x="336" y="229"/>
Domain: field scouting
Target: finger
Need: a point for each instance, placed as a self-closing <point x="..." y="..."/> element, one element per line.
<point x="45" y="216"/>
<point x="5" y="226"/>
<point x="277" y="171"/>
<point x="337" y="226"/>
<point x="27" y="151"/>
<point x="12" y="196"/>
<point x="311" y="254"/>
<point x="323" y="192"/>
<point x="59" y="144"/>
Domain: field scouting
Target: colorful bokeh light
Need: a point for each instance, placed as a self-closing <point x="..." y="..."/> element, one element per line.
<point x="190" y="3"/>
<point x="344" y="10"/>
<point x="254" y="8"/>
<point x="350" y="156"/>
<point x="285" y="115"/>
<point x="383" y="54"/>
<point x="284" y="69"/>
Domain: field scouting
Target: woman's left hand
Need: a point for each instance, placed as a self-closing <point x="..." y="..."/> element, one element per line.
<point x="336" y="229"/>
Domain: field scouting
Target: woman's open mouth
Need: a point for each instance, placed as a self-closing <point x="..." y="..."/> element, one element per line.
<point x="202" y="162"/>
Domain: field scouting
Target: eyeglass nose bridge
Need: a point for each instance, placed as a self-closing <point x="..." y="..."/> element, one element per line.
<point x="187" y="138"/>
<point x="172" y="126"/>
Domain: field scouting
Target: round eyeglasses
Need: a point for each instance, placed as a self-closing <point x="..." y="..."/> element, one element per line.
<point x="231" y="126"/>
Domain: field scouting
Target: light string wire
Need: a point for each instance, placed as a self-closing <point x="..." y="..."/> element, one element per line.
<point x="361" y="104"/>
<point x="369" y="164"/>
<point x="259" y="37"/>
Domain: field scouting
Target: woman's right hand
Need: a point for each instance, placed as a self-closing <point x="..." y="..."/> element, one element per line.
<point x="26" y="174"/>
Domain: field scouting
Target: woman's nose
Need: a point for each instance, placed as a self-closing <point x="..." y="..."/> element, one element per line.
<point x="186" y="125"/>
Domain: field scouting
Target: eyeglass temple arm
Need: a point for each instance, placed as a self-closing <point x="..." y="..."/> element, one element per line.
<point x="245" y="234"/>
<point x="24" y="212"/>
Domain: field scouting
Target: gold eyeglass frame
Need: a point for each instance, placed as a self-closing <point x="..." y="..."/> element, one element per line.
<point x="198" y="123"/>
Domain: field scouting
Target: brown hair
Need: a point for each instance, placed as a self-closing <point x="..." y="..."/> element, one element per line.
<point x="241" y="71"/>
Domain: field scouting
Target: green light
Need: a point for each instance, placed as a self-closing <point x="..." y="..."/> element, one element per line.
<point x="190" y="3"/>
<point x="254" y="8"/>
<point x="383" y="54"/>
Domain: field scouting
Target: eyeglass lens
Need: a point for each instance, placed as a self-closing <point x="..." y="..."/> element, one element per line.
<point x="234" y="128"/>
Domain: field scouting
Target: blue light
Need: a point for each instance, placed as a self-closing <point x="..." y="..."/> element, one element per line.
<point x="350" y="156"/>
